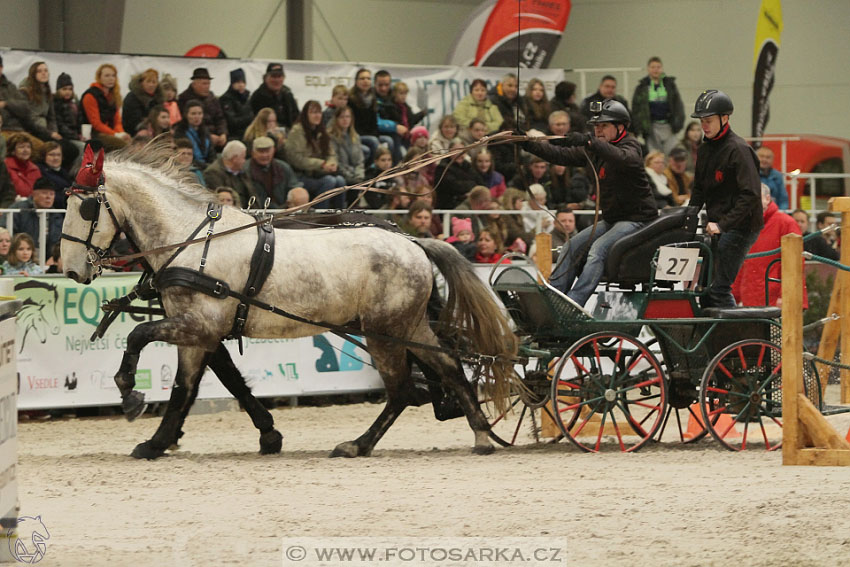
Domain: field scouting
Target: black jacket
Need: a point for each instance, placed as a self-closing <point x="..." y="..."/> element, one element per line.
<point x="69" y="116"/>
<point x="138" y="104"/>
<point x="625" y="190"/>
<point x="727" y="181"/>
<point x="452" y="182"/>
<point x="237" y="111"/>
<point x="283" y="103"/>
<point x="641" y="119"/>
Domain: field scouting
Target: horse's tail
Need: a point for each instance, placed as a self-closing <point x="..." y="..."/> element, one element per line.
<point x="472" y="318"/>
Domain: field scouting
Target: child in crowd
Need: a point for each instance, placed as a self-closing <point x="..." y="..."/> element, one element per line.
<point x="169" y="93"/>
<point x="491" y="178"/>
<point x="462" y="238"/>
<point x="419" y="138"/>
<point x="69" y="116"/>
<point x="339" y="99"/>
<point x="19" y="262"/>
<point x="442" y="140"/>
<point x="5" y="244"/>
<point x="383" y="161"/>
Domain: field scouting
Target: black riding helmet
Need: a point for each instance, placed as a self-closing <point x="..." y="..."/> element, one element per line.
<point x="712" y="102"/>
<point x="610" y="110"/>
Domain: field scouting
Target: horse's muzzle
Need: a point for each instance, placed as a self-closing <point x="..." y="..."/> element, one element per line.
<point x="76" y="277"/>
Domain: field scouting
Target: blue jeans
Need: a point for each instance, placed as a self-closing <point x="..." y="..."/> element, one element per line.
<point x="604" y="238"/>
<point x="729" y="255"/>
<point x="315" y="186"/>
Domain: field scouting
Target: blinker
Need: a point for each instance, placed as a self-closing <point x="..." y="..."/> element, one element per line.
<point x="90" y="209"/>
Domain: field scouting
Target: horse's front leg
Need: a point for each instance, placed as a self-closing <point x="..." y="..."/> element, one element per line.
<point x="180" y="330"/>
<point x="191" y="363"/>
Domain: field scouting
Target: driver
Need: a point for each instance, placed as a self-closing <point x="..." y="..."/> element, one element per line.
<point x="727" y="182"/>
<point x="625" y="194"/>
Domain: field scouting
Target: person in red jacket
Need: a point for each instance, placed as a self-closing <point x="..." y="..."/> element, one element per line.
<point x="22" y="170"/>
<point x="102" y="109"/>
<point x="748" y="288"/>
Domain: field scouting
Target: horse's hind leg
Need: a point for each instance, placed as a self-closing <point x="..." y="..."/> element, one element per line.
<point x="221" y="363"/>
<point x="190" y="367"/>
<point x="440" y="366"/>
<point x="391" y="363"/>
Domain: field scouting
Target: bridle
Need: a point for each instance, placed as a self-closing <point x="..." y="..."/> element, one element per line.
<point x="93" y="200"/>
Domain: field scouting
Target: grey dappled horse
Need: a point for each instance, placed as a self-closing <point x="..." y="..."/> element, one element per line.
<point x="378" y="280"/>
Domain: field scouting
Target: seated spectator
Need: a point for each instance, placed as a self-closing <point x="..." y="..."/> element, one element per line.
<point x="569" y="187"/>
<point x="446" y="134"/>
<point x="537" y="105"/>
<point x="42" y="123"/>
<point x="654" y="164"/>
<point x="227" y="196"/>
<point x="20" y="261"/>
<point x="228" y="171"/>
<point x="270" y="178"/>
<point x="383" y="161"/>
<point x="504" y="159"/>
<point x="691" y="140"/>
<point x="772" y="178"/>
<point x="265" y="125"/>
<point x="514" y="200"/>
<point x="396" y="201"/>
<point x="169" y="94"/>
<point x="193" y="127"/>
<point x="413" y="180"/>
<point x="425" y="194"/>
<point x="483" y="165"/>
<point x="565" y="99"/>
<point x="145" y="94"/>
<point x="454" y="178"/>
<point x="562" y="230"/>
<point x="101" y="108"/>
<point x="7" y="188"/>
<point x="159" y="121"/>
<point x="505" y="95"/>
<point x="275" y="95"/>
<point x="418" y="221"/>
<point x="607" y="89"/>
<point x="478" y="199"/>
<point x="69" y="116"/>
<point x="748" y="287"/>
<point x="5" y="243"/>
<point x="802" y="219"/>
<point x="477" y="105"/>
<point x="531" y="222"/>
<point x="185" y="157"/>
<point x="213" y="115"/>
<point x="346" y="145"/>
<point x="476" y="130"/>
<point x="403" y="114"/>
<point x="826" y="244"/>
<point x="678" y="179"/>
<point x="536" y="170"/>
<point x="363" y="101"/>
<point x="311" y="154"/>
<point x="419" y="138"/>
<point x="15" y="111"/>
<point x="27" y="219"/>
<point x="558" y="123"/>
<point x="489" y="250"/>
<point x="297" y="197"/>
<point x="19" y="164"/>
<point x="236" y="105"/>
<point x="339" y="99"/>
<point x="462" y="238"/>
<point x="388" y="118"/>
<point x="52" y="170"/>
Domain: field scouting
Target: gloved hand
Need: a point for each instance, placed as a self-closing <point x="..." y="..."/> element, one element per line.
<point x="576" y="139"/>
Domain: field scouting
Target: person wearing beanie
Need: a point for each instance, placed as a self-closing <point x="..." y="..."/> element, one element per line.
<point x="235" y="103"/>
<point x="68" y="112"/>
<point x="419" y="134"/>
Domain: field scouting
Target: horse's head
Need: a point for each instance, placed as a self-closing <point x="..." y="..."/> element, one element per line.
<point x="90" y="226"/>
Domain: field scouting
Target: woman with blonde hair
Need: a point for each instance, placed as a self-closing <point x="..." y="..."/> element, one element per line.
<point x="265" y="124"/>
<point x="101" y="108"/>
<point x="145" y="94"/>
<point x="5" y="244"/>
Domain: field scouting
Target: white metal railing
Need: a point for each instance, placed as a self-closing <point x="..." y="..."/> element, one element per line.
<point x="793" y="177"/>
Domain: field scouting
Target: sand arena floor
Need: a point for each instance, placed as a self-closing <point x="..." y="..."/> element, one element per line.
<point x="215" y="501"/>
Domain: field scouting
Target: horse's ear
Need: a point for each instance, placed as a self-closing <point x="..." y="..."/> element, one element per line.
<point x="88" y="155"/>
<point x="98" y="164"/>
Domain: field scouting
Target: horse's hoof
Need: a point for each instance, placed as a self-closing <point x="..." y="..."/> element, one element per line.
<point x="133" y="405"/>
<point x="347" y="449"/>
<point x="271" y="442"/>
<point x="483" y="450"/>
<point x="146" y="451"/>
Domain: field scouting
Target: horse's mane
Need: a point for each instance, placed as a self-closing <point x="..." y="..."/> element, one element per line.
<point x="157" y="158"/>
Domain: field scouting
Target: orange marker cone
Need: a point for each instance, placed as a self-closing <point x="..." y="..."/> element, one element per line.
<point x="695" y="425"/>
<point x="848" y="435"/>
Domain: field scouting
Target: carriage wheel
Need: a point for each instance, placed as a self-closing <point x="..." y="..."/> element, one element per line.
<point x="519" y="424"/>
<point x="741" y="396"/>
<point x="609" y="385"/>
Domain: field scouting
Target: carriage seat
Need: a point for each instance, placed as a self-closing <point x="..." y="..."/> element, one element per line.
<point x="629" y="261"/>
<point x="743" y="312"/>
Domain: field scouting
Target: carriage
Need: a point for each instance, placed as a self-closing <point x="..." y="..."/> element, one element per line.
<point x="646" y="363"/>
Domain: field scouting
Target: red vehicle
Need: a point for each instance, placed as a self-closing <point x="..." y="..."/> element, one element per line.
<point x="813" y="154"/>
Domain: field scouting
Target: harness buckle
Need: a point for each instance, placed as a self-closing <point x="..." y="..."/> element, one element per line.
<point x="219" y="289"/>
<point x="266" y="248"/>
<point x="204" y="265"/>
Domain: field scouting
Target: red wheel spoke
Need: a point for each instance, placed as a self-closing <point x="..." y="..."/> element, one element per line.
<point x="635" y="424"/>
<point x="619" y="352"/>
<point x="721" y="409"/>
<point x="723" y="369"/>
<point x="583" y="423"/>
<point x="635" y="361"/>
<point x="643" y="405"/>
<point x="578" y="365"/>
<point x="740" y="350"/>
<point x="570" y="384"/>
<point x="596" y="352"/>
<point x="643" y="384"/>
<point x="764" y="434"/>
<point x="779" y="423"/>
<point x="619" y="436"/>
<point x="518" y="423"/>
<point x="744" y="440"/>
<point x="601" y="430"/>
<point x="761" y="354"/>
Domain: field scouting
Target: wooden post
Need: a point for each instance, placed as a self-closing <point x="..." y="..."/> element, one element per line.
<point x="829" y="336"/>
<point x="543" y="259"/>
<point x="842" y="205"/>
<point x="792" y="346"/>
